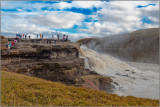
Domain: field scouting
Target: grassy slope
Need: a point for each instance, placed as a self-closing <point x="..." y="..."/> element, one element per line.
<point x="21" y="90"/>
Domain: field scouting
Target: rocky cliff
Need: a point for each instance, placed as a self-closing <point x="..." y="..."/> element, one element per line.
<point x="55" y="62"/>
<point x="139" y="46"/>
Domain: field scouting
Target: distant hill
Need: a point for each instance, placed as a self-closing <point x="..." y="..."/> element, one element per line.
<point x="21" y="90"/>
<point x="140" y="46"/>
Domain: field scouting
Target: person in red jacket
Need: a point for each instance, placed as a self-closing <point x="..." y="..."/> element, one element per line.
<point x="13" y="44"/>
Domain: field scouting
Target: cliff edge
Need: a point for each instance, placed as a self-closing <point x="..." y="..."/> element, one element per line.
<point x="58" y="62"/>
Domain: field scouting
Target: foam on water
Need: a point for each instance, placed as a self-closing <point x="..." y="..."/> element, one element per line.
<point x="131" y="81"/>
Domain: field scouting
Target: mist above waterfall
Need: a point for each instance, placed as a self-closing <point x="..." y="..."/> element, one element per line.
<point x="137" y="46"/>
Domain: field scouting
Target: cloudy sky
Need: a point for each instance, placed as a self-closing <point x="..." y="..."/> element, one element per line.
<point x="78" y="19"/>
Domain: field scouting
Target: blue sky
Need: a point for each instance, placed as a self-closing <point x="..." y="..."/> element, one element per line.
<point x="78" y="19"/>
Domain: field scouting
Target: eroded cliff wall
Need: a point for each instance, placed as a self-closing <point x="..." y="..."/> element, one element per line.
<point x="54" y="62"/>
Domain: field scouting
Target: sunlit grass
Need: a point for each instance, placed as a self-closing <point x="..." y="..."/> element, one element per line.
<point x="21" y="90"/>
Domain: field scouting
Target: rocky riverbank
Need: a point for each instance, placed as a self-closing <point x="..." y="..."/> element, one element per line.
<point x="55" y="62"/>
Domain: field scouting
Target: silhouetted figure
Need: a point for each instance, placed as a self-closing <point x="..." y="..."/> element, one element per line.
<point x="7" y="45"/>
<point x="64" y="35"/>
<point x="37" y="36"/>
<point x="58" y="37"/>
<point x="25" y="36"/>
<point x="63" y="39"/>
<point x="67" y="38"/>
<point x="18" y="39"/>
<point x="29" y="36"/>
<point x="42" y="36"/>
<point x="55" y="41"/>
<point x="47" y="41"/>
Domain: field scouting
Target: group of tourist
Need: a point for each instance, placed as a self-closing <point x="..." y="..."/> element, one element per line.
<point x="64" y="37"/>
<point x="19" y="36"/>
<point x="41" y="36"/>
<point x="12" y="43"/>
<point x="22" y="36"/>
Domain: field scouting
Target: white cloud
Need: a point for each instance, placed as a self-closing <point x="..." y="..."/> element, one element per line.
<point x="76" y="4"/>
<point x="27" y="28"/>
<point x="114" y="17"/>
<point x="121" y="17"/>
<point x="61" y="5"/>
<point x="55" y="19"/>
<point x="86" y="4"/>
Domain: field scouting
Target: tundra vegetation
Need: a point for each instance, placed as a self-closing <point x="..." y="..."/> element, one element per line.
<point x="22" y="90"/>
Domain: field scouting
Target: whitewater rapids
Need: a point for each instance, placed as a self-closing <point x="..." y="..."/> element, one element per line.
<point x="128" y="80"/>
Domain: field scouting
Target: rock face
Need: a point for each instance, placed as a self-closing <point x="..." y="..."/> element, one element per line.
<point x="138" y="46"/>
<point x="3" y="39"/>
<point x="54" y="62"/>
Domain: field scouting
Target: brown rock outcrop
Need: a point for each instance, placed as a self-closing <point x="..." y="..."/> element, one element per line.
<point x="54" y="62"/>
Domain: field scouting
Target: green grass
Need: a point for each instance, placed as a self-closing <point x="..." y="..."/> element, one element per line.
<point x="21" y="90"/>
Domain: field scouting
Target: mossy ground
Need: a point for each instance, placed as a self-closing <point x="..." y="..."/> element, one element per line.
<point x="21" y="90"/>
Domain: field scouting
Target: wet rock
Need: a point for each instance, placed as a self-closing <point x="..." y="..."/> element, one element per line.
<point x="116" y="83"/>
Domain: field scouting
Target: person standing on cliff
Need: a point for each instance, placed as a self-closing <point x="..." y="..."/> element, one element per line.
<point x="15" y="41"/>
<point x="47" y="41"/>
<point x="29" y="36"/>
<point x="42" y="36"/>
<point x="25" y="37"/>
<point x="63" y="37"/>
<point x="58" y="37"/>
<point x="13" y="44"/>
<point x="54" y="41"/>
<point x="9" y="46"/>
<point x="67" y="38"/>
<point x="37" y="36"/>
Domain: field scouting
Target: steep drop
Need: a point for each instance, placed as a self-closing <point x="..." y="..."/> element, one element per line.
<point x="127" y="79"/>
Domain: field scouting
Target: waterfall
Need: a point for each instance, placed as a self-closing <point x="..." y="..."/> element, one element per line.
<point x="128" y="80"/>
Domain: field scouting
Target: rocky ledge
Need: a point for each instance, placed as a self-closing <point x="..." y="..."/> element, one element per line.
<point x="55" y="62"/>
